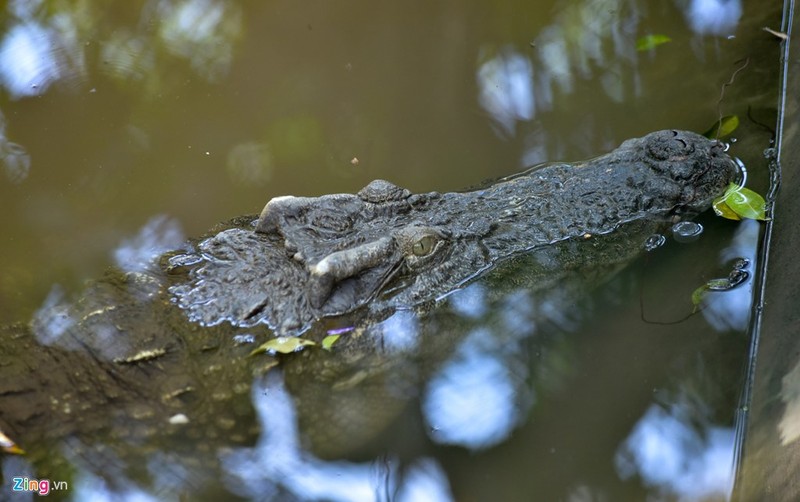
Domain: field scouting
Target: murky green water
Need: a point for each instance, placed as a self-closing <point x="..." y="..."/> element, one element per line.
<point x="145" y="122"/>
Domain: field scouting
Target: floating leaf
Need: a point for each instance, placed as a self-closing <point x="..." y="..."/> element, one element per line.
<point x="650" y="42"/>
<point x="712" y="285"/>
<point x="697" y="297"/>
<point x="723" y="127"/>
<point x="740" y="202"/>
<point x="748" y="204"/>
<point x="283" y="345"/>
<point x="722" y="209"/>
<point x="328" y="341"/>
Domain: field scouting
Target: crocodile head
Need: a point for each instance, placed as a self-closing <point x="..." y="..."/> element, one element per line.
<point x="306" y="258"/>
<point x="695" y="165"/>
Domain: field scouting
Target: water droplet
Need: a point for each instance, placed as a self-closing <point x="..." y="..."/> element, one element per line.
<point x="654" y="241"/>
<point x="687" y="231"/>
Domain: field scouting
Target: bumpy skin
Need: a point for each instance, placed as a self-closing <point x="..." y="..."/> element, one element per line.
<point x="319" y="257"/>
<point x="139" y="354"/>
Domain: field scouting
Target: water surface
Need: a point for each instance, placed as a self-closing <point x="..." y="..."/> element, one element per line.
<point x="127" y="126"/>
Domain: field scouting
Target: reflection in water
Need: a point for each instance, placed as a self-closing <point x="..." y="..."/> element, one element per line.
<point x="575" y="46"/>
<point x="15" y="159"/>
<point x="159" y="235"/>
<point x="48" y="44"/>
<point x="730" y="310"/>
<point x="714" y="17"/>
<point x="201" y="31"/>
<point x="27" y="65"/>
<point x="91" y="487"/>
<point x="278" y="463"/>
<point x="506" y="89"/>
<point x="250" y="163"/>
<point x="472" y="400"/>
<point x="424" y="481"/>
<point x="668" y="452"/>
<point x="52" y="319"/>
<point x="135" y="256"/>
<point x="470" y="302"/>
<point x="400" y="332"/>
<point x="129" y="57"/>
<point x="515" y="87"/>
<point x="480" y="394"/>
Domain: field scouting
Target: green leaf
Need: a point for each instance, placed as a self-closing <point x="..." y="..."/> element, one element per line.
<point x="748" y="204"/>
<point x="328" y="341"/>
<point x="699" y="294"/>
<point x="722" y="127"/>
<point x="650" y="42"/>
<point x="740" y="202"/>
<point x="283" y="345"/>
<point x="723" y="209"/>
<point x="697" y="297"/>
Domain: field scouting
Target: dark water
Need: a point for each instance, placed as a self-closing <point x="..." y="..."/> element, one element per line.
<point x="131" y="125"/>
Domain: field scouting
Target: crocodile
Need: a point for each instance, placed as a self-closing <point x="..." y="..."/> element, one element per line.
<point x="309" y="258"/>
<point x="160" y="359"/>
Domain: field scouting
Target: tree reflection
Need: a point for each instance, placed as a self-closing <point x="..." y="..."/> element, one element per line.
<point x="514" y="87"/>
<point x="47" y="44"/>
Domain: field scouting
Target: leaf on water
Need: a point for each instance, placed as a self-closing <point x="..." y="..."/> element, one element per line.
<point x="328" y="341"/>
<point x="740" y="202"/>
<point x="697" y="297"/>
<point x="723" y="127"/>
<point x="283" y="345"/>
<point x="748" y="204"/>
<point x="699" y="294"/>
<point x="723" y="284"/>
<point x="650" y="42"/>
<point x="722" y="209"/>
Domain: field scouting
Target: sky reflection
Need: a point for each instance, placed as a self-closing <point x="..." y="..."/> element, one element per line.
<point x="670" y="452"/>
<point x="201" y="31"/>
<point x="400" y="332"/>
<point x="48" y="45"/>
<point x="506" y="89"/>
<point x="514" y="87"/>
<point x="481" y="394"/>
<point x="159" y="235"/>
<point x="27" y="64"/>
<point x="279" y="461"/>
<point x="714" y="17"/>
<point x="472" y="400"/>
<point x="730" y="310"/>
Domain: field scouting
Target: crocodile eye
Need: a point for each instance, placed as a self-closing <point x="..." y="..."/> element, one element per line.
<point x="424" y="245"/>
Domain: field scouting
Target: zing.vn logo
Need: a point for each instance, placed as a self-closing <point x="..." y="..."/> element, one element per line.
<point x="39" y="486"/>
